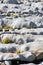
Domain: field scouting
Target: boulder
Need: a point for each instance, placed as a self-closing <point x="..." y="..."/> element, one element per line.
<point x="27" y="56"/>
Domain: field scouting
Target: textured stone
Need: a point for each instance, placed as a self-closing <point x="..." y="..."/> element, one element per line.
<point x="26" y="18"/>
<point x="28" y="64"/>
<point x="20" y="1"/>
<point x="41" y="63"/>
<point x="8" y="62"/>
<point x="27" y="56"/>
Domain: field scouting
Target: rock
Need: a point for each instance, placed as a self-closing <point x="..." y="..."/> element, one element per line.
<point x="29" y="64"/>
<point x="9" y="56"/>
<point x="32" y="25"/>
<point x="8" y="63"/>
<point x="8" y="48"/>
<point x="32" y="14"/>
<point x="1" y="23"/>
<point x="24" y="47"/>
<point x="1" y="57"/>
<point x="37" y="49"/>
<point x="12" y="1"/>
<point x="40" y="55"/>
<point x="34" y="47"/>
<point x="27" y="22"/>
<point x="19" y="1"/>
<point x="27" y="56"/>
<point x="41" y="63"/>
<point x="20" y="39"/>
<point x="35" y="0"/>
<point x="37" y="31"/>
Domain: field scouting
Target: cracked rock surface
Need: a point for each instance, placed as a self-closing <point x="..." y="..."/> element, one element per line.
<point x="21" y="32"/>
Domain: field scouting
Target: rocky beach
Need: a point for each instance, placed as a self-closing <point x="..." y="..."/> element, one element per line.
<point x="21" y="32"/>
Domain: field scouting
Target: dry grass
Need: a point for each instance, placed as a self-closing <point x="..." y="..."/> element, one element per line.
<point x="6" y="27"/>
<point x="7" y="40"/>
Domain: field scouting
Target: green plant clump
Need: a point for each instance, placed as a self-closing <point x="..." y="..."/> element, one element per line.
<point x="6" y="41"/>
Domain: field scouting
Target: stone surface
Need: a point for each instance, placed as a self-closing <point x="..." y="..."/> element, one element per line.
<point x="20" y="1"/>
<point x="34" y="47"/>
<point x="41" y="63"/>
<point x="28" y="56"/>
<point x="32" y="14"/>
<point x="28" y="64"/>
<point x="8" y="62"/>
<point x="25" y="17"/>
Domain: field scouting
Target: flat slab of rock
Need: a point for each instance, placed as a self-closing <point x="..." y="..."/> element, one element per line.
<point x="29" y="64"/>
<point x="37" y="31"/>
<point x="34" y="47"/>
<point x="27" y="56"/>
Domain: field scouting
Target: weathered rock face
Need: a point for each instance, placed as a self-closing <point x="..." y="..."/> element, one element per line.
<point x="11" y="1"/>
<point x="28" y="16"/>
<point x="28" y="64"/>
<point x="19" y="1"/>
<point x="34" y="47"/>
<point x="1" y="23"/>
<point x="21" y="32"/>
<point x="28" y="56"/>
